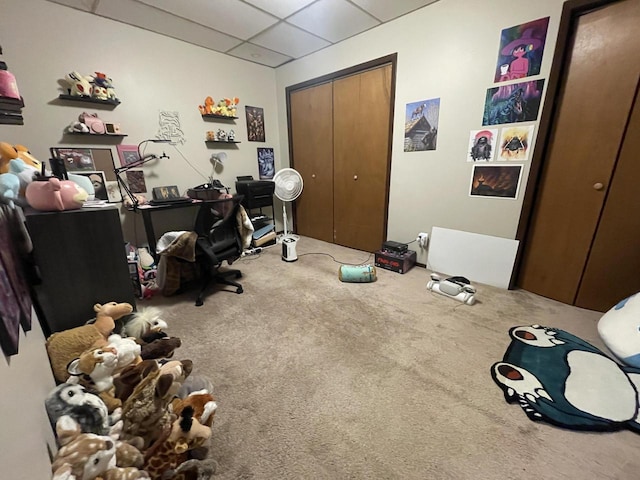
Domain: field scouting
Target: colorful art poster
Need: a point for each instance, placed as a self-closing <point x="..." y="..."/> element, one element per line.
<point x="266" y="163"/>
<point x="521" y="49"/>
<point x="482" y="145"/>
<point x="421" y="125"/>
<point x="495" y="181"/>
<point x="516" y="142"/>
<point x="518" y="102"/>
<point x="255" y="123"/>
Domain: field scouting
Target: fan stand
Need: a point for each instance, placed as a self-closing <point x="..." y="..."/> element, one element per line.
<point x="285" y="233"/>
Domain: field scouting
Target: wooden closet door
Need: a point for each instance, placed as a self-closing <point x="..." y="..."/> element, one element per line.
<point x="361" y="135"/>
<point x="596" y="99"/>
<point x="311" y="114"/>
<point x="613" y="268"/>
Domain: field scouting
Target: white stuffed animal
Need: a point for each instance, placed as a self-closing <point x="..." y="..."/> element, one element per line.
<point x="79" y="86"/>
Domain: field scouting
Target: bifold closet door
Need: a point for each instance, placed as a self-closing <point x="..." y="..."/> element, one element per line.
<point x="361" y="136"/>
<point x="576" y="250"/>
<point x="311" y="114"/>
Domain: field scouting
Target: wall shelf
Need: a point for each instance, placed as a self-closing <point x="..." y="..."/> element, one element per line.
<point x="89" y="100"/>
<point x="218" y="142"/>
<point x="218" y="117"/>
<point x="97" y="135"/>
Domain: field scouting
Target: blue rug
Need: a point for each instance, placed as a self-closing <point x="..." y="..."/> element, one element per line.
<point x="559" y="378"/>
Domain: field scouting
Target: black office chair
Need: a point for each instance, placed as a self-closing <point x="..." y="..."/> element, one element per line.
<point x="218" y="240"/>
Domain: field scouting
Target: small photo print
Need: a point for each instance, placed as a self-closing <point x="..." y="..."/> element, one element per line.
<point x="495" y="181"/>
<point x="136" y="182"/>
<point x="482" y="145"/>
<point x="99" y="184"/>
<point x="255" y="123"/>
<point x="266" y="163"/>
<point x="128" y="154"/>
<point x="515" y="143"/>
<point x="75" y="159"/>
<point x="113" y="192"/>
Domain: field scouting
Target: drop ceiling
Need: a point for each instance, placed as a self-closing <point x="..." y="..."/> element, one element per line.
<point x="268" y="32"/>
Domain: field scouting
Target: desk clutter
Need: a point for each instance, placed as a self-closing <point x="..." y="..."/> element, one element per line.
<point x="123" y="406"/>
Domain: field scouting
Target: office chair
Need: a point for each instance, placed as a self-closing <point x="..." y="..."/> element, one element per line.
<point x="218" y="240"/>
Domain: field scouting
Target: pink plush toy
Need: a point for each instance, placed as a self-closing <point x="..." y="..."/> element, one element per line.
<point x="55" y="194"/>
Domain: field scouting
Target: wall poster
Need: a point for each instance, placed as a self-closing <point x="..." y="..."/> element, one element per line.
<point x="518" y="102"/>
<point x="521" y="49"/>
<point x="482" y="145"/>
<point x="495" y="181"/>
<point x="421" y="125"/>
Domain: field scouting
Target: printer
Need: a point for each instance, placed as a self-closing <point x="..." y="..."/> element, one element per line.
<point x="256" y="193"/>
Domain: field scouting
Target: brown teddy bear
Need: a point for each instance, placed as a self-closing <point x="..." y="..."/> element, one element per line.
<point x="65" y="346"/>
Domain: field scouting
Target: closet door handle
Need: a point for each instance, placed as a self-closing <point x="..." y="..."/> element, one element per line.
<point x="355" y="177"/>
<point x="313" y="176"/>
<point x="598" y="186"/>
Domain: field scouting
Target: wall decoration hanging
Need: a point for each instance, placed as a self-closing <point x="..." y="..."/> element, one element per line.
<point x="521" y="49"/>
<point x="421" y="125"/>
<point x="128" y="154"/>
<point x="482" y="145"/>
<point x="135" y="179"/>
<point x="518" y="102"/>
<point x="515" y="142"/>
<point x="495" y="181"/>
<point x="75" y="159"/>
<point x="266" y="163"/>
<point x="170" y="128"/>
<point x="255" y="123"/>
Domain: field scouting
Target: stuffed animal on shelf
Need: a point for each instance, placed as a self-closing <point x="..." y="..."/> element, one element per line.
<point x="78" y="86"/>
<point x="207" y="108"/>
<point x="231" y="105"/>
<point x="63" y="347"/>
<point x="87" y="456"/>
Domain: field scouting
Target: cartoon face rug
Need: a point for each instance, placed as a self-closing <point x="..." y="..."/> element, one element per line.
<point x="559" y="378"/>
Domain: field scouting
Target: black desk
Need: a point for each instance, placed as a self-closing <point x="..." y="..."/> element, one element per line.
<point x="147" y="212"/>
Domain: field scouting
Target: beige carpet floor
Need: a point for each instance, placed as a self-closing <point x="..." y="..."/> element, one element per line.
<point x="319" y="379"/>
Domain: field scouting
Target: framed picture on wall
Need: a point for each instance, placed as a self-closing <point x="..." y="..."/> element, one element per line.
<point x="255" y="123"/>
<point x="135" y="180"/>
<point x="497" y="181"/>
<point x="128" y="154"/>
<point x="266" y="163"/>
<point x="75" y="159"/>
<point x="99" y="184"/>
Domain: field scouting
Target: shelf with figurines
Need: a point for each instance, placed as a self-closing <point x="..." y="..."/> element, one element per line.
<point x="221" y="136"/>
<point x="96" y="88"/>
<point x="90" y="125"/>
<point x="225" y="109"/>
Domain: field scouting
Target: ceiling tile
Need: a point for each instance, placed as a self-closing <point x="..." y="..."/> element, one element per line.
<point x="232" y="17"/>
<point x="333" y="20"/>
<point x="86" y="5"/>
<point x="257" y="54"/>
<point x="149" y="18"/>
<point x="280" y="8"/>
<point x="292" y="41"/>
<point x="385" y="10"/>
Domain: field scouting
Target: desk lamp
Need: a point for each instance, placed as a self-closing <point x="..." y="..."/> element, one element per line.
<point x="138" y="163"/>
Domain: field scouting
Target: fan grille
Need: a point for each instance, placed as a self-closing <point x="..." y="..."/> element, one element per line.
<point x="288" y="184"/>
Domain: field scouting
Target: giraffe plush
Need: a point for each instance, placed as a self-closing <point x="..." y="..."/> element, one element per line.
<point x="171" y="450"/>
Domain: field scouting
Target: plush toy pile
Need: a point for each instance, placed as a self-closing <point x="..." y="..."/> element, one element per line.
<point x="123" y="409"/>
<point x="96" y="85"/>
<point x="227" y="107"/>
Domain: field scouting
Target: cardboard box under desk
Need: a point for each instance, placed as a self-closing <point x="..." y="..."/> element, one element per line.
<point x="400" y="263"/>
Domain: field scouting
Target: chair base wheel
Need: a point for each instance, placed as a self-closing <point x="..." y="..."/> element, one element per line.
<point x="239" y="290"/>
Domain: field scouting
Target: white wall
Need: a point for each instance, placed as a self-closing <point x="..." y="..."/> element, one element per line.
<point x="26" y="436"/>
<point x="151" y="73"/>
<point x="449" y="50"/>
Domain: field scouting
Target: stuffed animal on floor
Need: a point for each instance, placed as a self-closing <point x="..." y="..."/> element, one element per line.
<point x="172" y="448"/>
<point x="204" y="408"/>
<point x="619" y="329"/>
<point x="94" y="370"/>
<point x="87" y="456"/>
<point x="158" y="345"/>
<point x="63" y="347"/>
<point x="87" y="409"/>
<point x="144" y="321"/>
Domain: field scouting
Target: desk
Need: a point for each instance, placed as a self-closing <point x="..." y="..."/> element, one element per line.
<point x="147" y="212"/>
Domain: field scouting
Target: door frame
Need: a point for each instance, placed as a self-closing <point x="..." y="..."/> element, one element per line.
<point x="392" y="60"/>
<point x="571" y="10"/>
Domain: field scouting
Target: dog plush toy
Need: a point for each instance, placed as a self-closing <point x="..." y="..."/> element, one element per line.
<point x="87" y="409"/>
<point x="63" y="347"/>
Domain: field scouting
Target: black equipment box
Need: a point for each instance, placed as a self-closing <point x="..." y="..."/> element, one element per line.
<point x="395" y="247"/>
<point x="257" y="193"/>
<point x="396" y="262"/>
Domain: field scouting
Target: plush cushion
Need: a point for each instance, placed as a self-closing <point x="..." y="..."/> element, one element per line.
<point x="619" y="329"/>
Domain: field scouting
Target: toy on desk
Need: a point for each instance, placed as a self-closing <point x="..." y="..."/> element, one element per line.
<point x="55" y="195"/>
<point x="458" y="288"/>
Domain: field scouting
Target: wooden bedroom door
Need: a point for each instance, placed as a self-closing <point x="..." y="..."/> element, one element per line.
<point x="578" y="245"/>
<point x="340" y="134"/>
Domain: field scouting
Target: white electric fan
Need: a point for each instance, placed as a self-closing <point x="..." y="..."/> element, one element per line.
<point x="288" y="187"/>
